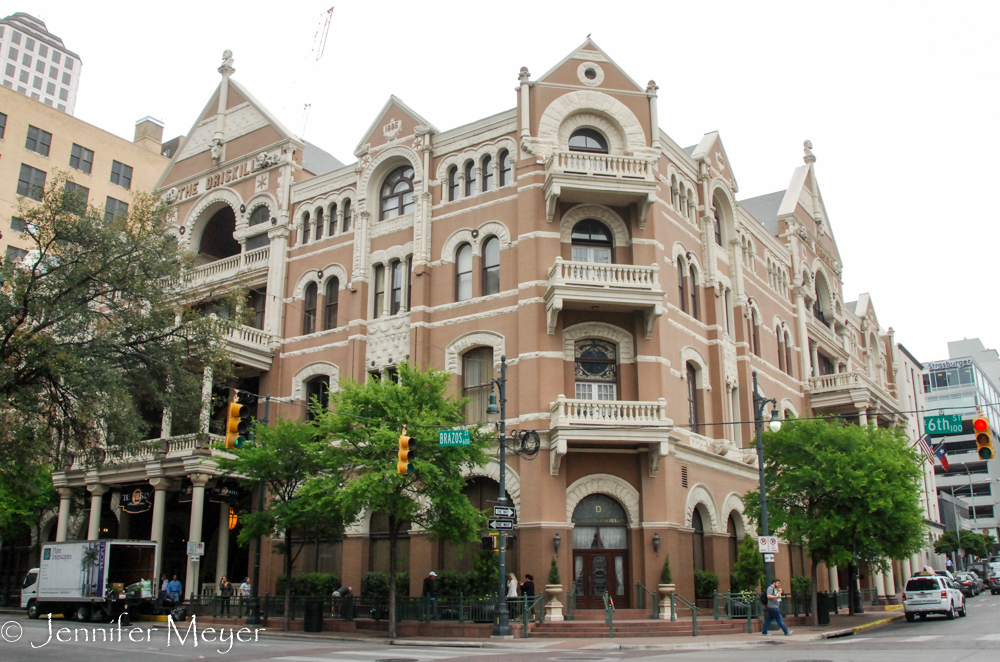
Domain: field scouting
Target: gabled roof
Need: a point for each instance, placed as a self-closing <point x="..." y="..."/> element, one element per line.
<point x="792" y="192"/>
<point x="594" y="48"/>
<point x="764" y="208"/>
<point x="704" y="147"/>
<point x="318" y="161"/>
<point x="393" y="99"/>
<point x="689" y="150"/>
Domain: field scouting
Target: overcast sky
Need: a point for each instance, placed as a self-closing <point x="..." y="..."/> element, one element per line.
<point x="899" y="99"/>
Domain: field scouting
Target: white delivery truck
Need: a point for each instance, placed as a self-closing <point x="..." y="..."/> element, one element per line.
<point x="85" y="579"/>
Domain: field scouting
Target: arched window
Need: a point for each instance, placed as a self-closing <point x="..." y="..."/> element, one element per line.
<point x="591" y="242"/>
<point x="734" y="543"/>
<point x="306" y="224"/>
<point x="330" y="305"/>
<point x="698" y="540"/>
<point x="452" y="183"/>
<point x="588" y="140"/>
<point x="347" y="215"/>
<point x="477" y="375"/>
<point x="470" y="179"/>
<point x="693" y="285"/>
<point x="396" y="287"/>
<point x="317" y="393"/>
<point x="333" y="220"/>
<point x="673" y="191"/>
<point x="505" y="168"/>
<point x="681" y="292"/>
<point x="379" y="291"/>
<point x="728" y="304"/>
<point x="319" y="223"/>
<point x="463" y="272"/>
<point x="260" y="215"/>
<point x="491" y="266"/>
<point x="487" y="167"/>
<point x="788" y="354"/>
<point x="309" y="310"/>
<point x="755" y="332"/>
<point x="596" y="370"/>
<point x="718" y="227"/>
<point x="694" y="414"/>
<point x="397" y="194"/>
<point x="781" y="348"/>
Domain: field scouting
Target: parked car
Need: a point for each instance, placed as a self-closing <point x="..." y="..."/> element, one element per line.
<point x="945" y="573"/>
<point x="932" y="594"/>
<point x="981" y="568"/>
<point x="994" y="583"/>
<point x="968" y="583"/>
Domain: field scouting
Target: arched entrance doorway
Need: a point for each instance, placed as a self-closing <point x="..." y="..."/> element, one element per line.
<point x="600" y="552"/>
<point x="217" y="241"/>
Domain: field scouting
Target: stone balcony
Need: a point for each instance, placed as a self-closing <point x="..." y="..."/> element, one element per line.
<point x="609" y="287"/>
<point x="248" y="266"/>
<point x="250" y="347"/>
<point x="609" y="179"/>
<point x="614" y="423"/>
<point x="174" y="456"/>
<point x="851" y="392"/>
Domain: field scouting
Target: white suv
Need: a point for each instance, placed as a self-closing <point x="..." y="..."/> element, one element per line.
<point x="932" y="594"/>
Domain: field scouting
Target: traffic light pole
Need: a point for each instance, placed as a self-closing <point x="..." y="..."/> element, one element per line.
<point x="501" y="625"/>
<point x="253" y="612"/>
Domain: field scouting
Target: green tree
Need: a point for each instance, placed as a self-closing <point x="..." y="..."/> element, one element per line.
<point x="847" y="493"/>
<point x="286" y="459"/>
<point x="973" y="542"/>
<point x="748" y="572"/>
<point x="91" y="345"/>
<point x="363" y="432"/>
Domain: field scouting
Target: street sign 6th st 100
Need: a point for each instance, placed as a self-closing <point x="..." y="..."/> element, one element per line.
<point x="938" y="426"/>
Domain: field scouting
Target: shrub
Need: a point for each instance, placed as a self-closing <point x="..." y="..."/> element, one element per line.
<point x="705" y="584"/>
<point x="801" y="585"/>
<point x="482" y="581"/>
<point x="666" y="576"/>
<point x="450" y="583"/>
<point x="311" y="584"/>
<point x="554" y="578"/>
<point x="376" y="584"/>
<point x="749" y="569"/>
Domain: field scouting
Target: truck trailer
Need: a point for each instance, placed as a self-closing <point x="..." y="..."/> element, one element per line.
<point x="92" y="579"/>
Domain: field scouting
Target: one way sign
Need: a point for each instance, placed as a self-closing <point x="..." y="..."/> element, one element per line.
<point x="503" y="511"/>
<point x="501" y="524"/>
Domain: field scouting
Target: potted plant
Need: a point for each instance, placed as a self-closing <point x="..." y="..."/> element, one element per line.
<point x="553" y="587"/>
<point x="666" y="586"/>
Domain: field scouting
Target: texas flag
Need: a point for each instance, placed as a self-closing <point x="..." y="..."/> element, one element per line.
<point x="942" y="455"/>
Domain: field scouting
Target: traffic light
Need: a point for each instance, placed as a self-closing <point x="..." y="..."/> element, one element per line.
<point x="238" y="421"/>
<point x="406" y="454"/>
<point x="984" y="437"/>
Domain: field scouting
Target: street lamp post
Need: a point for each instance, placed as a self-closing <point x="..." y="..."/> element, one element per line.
<point x="253" y="604"/>
<point x="759" y="402"/>
<point x="501" y="624"/>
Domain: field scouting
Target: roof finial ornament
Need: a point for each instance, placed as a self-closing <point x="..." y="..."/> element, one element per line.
<point x="807" y="147"/>
<point x="226" y="68"/>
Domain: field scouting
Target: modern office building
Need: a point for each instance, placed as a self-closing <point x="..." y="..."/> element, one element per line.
<point x="36" y="63"/>
<point x="633" y="295"/>
<point x="37" y="141"/>
<point x="967" y="384"/>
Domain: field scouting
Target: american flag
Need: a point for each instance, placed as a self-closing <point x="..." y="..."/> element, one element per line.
<point x="925" y="447"/>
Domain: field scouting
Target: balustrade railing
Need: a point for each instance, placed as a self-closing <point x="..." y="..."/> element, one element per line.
<point x="565" y="411"/>
<point x="600" y="165"/>
<point x="227" y="267"/>
<point x="250" y="336"/>
<point x="632" y="276"/>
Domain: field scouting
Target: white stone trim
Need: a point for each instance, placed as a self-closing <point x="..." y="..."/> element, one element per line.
<point x="198" y="219"/>
<point x="476" y="155"/>
<point x="616" y="334"/>
<point x="612" y="486"/>
<point x="459" y="237"/>
<point x="453" y="352"/>
<point x="601" y="213"/>
<point x="305" y="373"/>
<point x="616" y="144"/>
<point x="789" y="405"/>
<point x="398" y="252"/>
<point x="734" y="504"/>
<point x="701" y="495"/>
<point x="572" y="103"/>
<point x="694" y="356"/>
<point x="581" y="73"/>
<point x="329" y="271"/>
<point x="492" y="471"/>
<point x="370" y="182"/>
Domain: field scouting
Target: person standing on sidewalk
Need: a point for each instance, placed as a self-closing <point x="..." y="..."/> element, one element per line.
<point x="773" y="612"/>
<point x="429" y="593"/>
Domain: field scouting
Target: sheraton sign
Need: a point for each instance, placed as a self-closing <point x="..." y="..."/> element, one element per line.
<point x="228" y="176"/>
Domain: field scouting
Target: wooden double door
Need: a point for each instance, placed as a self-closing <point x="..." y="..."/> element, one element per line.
<point x="600" y="571"/>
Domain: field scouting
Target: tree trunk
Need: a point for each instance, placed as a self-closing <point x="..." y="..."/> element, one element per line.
<point x="813" y="601"/>
<point x="393" y="537"/>
<point x="851" y="578"/>
<point x="288" y="579"/>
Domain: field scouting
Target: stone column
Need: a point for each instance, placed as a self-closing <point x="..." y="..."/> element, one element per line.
<point x="834" y="580"/>
<point x="96" y="498"/>
<point x="206" y="400"/>
<point x="814" y="358"/>
<point x="65" y="503"/>
<point x="803" y="339"/>
<point x="890" y="584"/>
<point x="278" y="236"/>
<point x="156" y="532"/>
<point x="862" y="416"/>
<point x="222" y="551"/>
<point x="904" y="567"/>
<point x="198" y="482"/>
<point x="879" y="582"/>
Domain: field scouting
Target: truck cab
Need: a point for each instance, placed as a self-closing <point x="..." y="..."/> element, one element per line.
<point x="29" y="593"/>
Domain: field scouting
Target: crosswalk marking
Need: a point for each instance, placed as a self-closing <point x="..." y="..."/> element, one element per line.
<point x="989" y="637"/>
<point x="925" y="637"/>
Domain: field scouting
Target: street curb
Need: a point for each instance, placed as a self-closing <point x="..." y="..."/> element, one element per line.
<point x="847" y="632"/>
<point x="712" y="645"/>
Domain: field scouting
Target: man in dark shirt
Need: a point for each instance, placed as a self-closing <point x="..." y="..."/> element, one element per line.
<point x="528" y="587"/>
<point x="429" y="591"/>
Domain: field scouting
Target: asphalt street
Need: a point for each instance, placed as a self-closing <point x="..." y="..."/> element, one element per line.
<point x="975" y="638"/>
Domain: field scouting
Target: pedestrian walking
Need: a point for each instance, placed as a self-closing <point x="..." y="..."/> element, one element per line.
<point x="175" y="589"/>
<point x="163" y="590"/>
<point x="429" y="593"/>
<point x="245" y="588"/>
<point x="225" y="594"/>
<point x="773" y="613"/>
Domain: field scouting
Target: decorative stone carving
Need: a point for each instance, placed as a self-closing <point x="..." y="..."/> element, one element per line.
<point x="388" y="342"/>
<point x="802" y="233"/>
<point x="170" y="197"/>
<point x="216" y="148"/>
<point x="492" y="470"/>
<point x="226" y="68"/>
<point x="261" y="183"/>
<point x="601" y="213"/>
<point x="312" y="370"/>
<point x="524" y="75"/>
<point x="652" y="87"/>
<point x="603" y="330"/>
<point x="700" y="495"/>
<point x="729" y="357"/>
<point x="612" y="486"/>
<point x="657" y="451"/>
<point x="808" y="157"/>
<point x="453" y="352"/>
<point x="391" y="130"/>
<point x="265" y="160"/>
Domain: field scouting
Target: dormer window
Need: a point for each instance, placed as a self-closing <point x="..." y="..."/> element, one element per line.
<point x="588" y="140"/>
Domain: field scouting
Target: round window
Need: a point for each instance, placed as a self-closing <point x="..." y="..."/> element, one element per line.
<point x="590" y="73"/>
